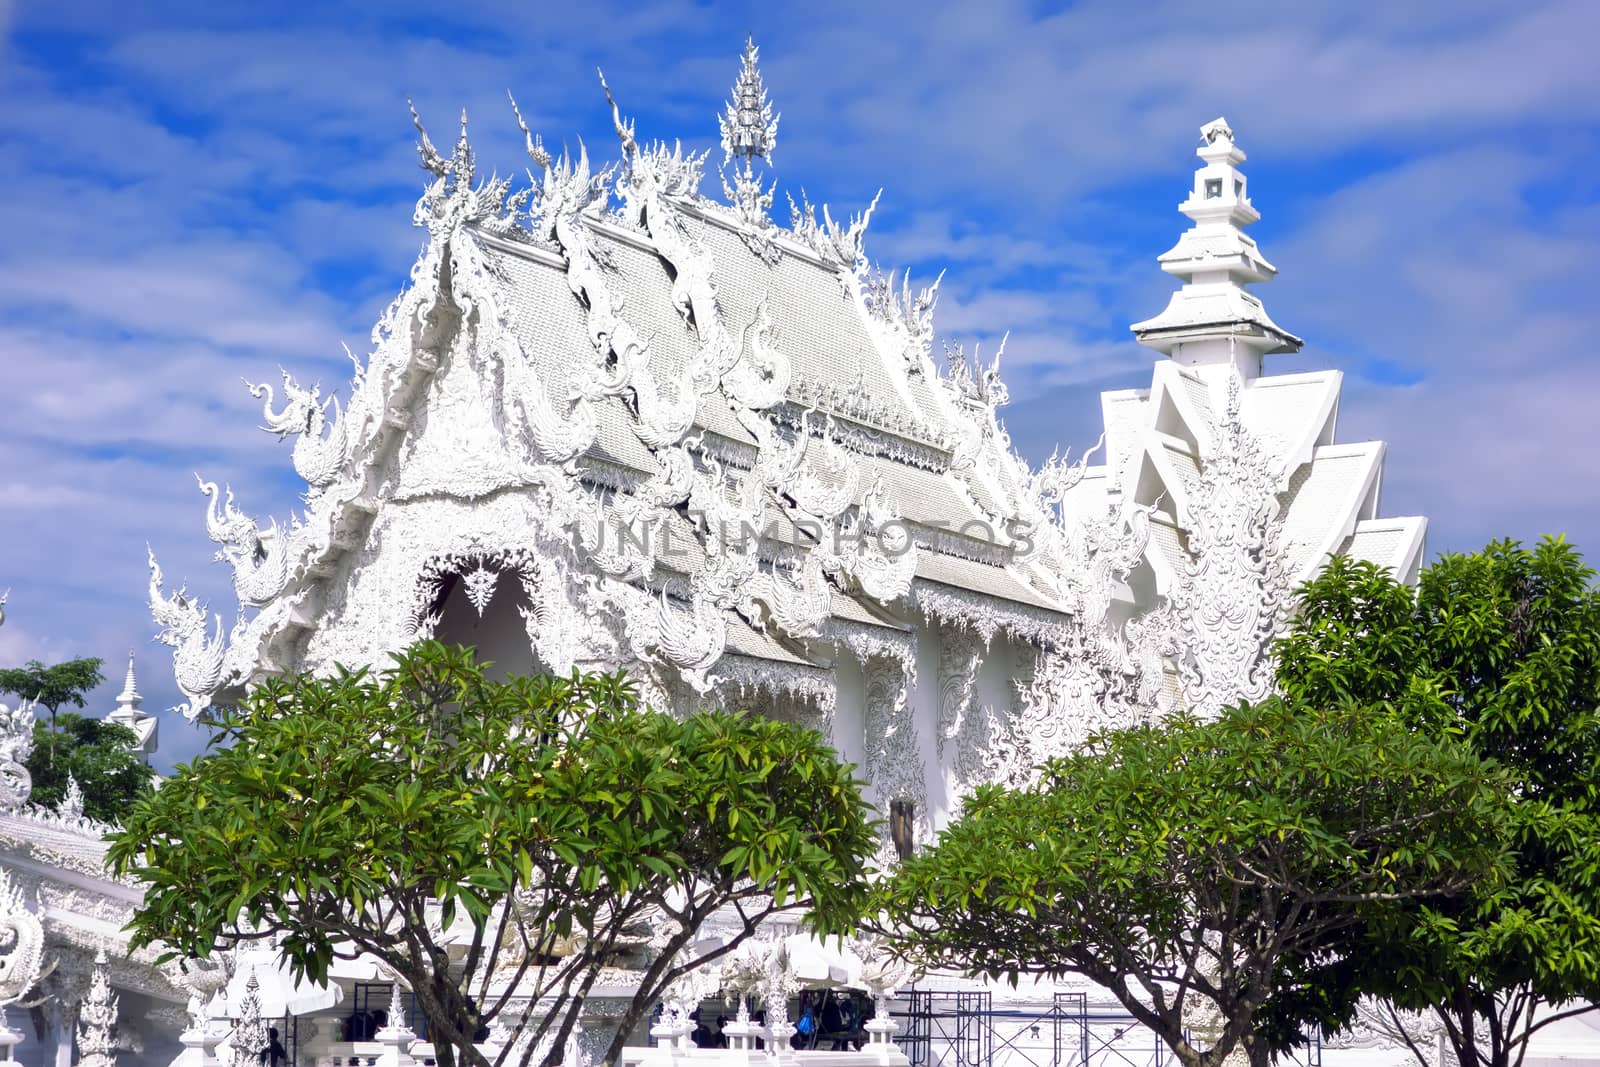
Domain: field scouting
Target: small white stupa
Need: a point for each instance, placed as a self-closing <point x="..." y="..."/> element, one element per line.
<point x="128" y="713"/>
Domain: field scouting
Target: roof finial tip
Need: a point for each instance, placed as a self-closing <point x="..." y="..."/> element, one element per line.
<point x="1217" y="128"/>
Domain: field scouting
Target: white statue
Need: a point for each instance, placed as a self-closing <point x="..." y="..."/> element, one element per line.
<point x="97" y="1019"/>
<point x="16" y="745"/>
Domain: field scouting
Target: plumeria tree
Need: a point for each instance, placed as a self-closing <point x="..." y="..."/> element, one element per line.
<point x="1198" y="868"/>
<point x="493" y="843"/>
<point x="1500" y="648"/>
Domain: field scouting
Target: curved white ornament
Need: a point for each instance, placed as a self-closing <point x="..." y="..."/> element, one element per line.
<point x="16" y="745"/>
<point x="21" y="943"/>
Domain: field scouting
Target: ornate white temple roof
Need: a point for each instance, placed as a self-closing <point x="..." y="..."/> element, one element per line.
<point x="611" y="346"/>
<point x="719" y="451"/>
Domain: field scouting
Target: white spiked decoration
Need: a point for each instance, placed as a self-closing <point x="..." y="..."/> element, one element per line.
<point x="749" y="128"/>
<point x="395" y="1031"/>
<point x="398" y="1036"/>
<point x="97" y="1018"/>
<point x="250" y="1041"/>
<point x="750" y="132"/>
<point x="70" y="806"/>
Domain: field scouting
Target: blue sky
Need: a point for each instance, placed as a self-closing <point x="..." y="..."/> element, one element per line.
<point x="197" y="195"/>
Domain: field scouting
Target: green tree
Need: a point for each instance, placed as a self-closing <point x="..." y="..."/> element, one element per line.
<point x="1502" y="649"/>
<point x="51" y="687"/>
<point x="1193" y="866"/>
<point x="491" y="841"/>
<point x="99" y="756"/>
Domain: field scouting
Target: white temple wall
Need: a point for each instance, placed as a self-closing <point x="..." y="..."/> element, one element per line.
<point x="996" y="673"/>
<point x="923" y="700"/>
<point x="849" y="714"/>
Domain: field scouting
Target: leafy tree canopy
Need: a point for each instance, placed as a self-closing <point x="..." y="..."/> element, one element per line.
<point x="99" y="756"/>
<point x="53" y="686"/>
<point x="1197" y="866"/>
<point x="1502" y="649"/>
<point x="478" y="836"/>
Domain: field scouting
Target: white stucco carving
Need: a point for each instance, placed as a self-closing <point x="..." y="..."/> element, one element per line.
<point x="21" y="943"/>
<point x="1234" y="589"/>
<point x="97" y="1019"/>
<point x="16" y="745"/>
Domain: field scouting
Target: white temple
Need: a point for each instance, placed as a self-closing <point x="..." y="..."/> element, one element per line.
<point x="614" y="423"/>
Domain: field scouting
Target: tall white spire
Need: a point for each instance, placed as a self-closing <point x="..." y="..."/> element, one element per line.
<point x="128" y="713"/>
<point x="749" y="133"/>
<point x="1213" y="320"/>
<point x="130" y="687"/>
<point x="749" y="128"/>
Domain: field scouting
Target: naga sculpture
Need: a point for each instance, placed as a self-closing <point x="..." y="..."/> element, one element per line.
<point x="317" y="458"/>
<point x="16" y="745"/>
<point x="197" y="659"/>
<point x="260" y="559"/>
<point x="21" y="945"/>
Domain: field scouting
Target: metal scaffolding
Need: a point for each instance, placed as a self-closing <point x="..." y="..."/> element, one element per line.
<point x="963" y="1028"/>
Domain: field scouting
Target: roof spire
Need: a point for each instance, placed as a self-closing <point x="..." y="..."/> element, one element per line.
<point x="130" y="686"/>
<point x="749" y="128"/>
<point x="128" y="713"/>
<point x="1212" y="320"/>
<point x="750" y="131"/>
